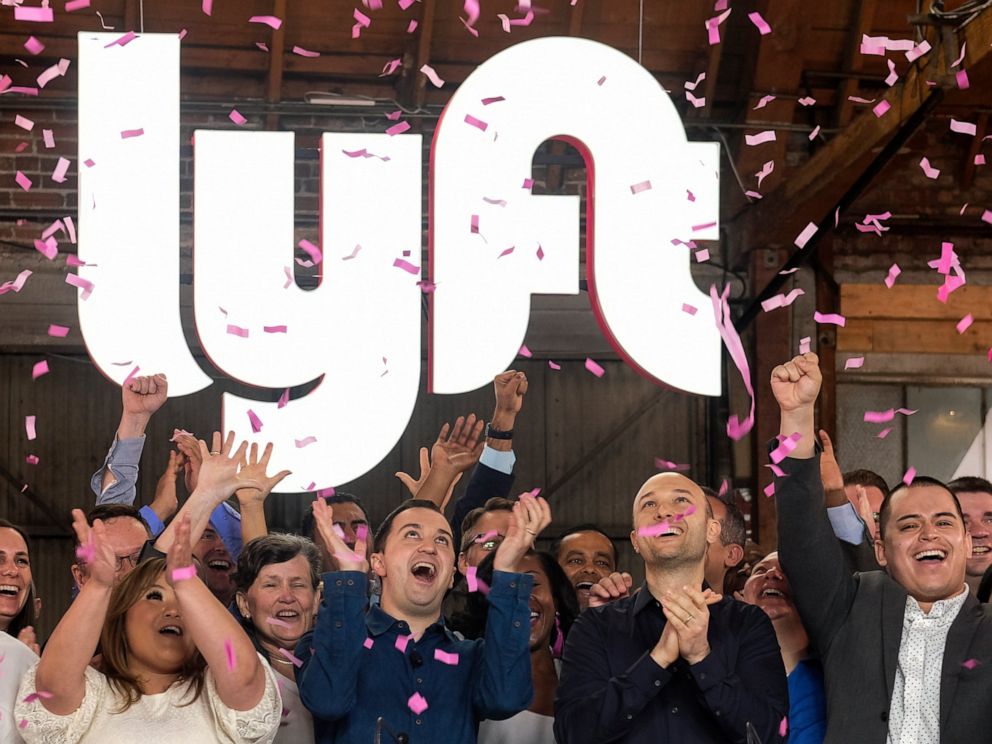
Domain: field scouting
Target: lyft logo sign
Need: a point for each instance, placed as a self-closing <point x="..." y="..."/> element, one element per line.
<point x="358" y="333"/>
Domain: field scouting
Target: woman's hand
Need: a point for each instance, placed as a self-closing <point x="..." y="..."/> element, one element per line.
<point x="531" y="514"/>
<point x="346" y="558"/>
<point x="94" y="550"/>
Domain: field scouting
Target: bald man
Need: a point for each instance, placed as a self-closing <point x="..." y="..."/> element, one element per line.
<point x="674" y="661"/>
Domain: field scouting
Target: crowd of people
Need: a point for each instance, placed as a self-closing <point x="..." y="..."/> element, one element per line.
<point x="194" y="623"/>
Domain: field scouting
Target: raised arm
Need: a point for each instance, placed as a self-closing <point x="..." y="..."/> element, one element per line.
<point x="61" y="671"/>
<point x="252" y="500"/>
<point x="223" y="643"/>
<point x="810" y="553"/>
<point x="456" y="450"/>
<point x="141" y="397"/>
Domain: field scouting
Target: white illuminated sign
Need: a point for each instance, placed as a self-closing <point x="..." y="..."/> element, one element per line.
<point x="358" y="333"/>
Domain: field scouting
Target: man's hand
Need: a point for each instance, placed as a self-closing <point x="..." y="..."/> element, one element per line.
<point x="166" y="502"/>
<point x="461" y="449"/>
<point x="95" y="550"/>
<point x="189" y="447"/>
<point x="510" y="386"/>
<point x="531" y="514"/>
<point x="414" y="486"/>
<point x="866" y="513"/>
<point x="179" y="560"/>
<point x="141" y="397"/>
<point x="252" y="467"/>
<point x="830" y="475"/>
<point x="345" y="558"/>
<point x="688" y="612"/>
<point x="797" y="382"/>
<point x="219" y="476"/>
<point x="666" y="650"/>
<point x="610" y="588"/>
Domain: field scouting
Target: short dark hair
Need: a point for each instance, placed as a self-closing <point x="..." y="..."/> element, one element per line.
<point x="308" y="528"/>
<point x="733" y="528"/>
<point x="379" y="541"/>
<point x="276" y="547"/>
<point x="918" y="481"/>
<point x="968" y="483"/>
<point x="470" y="617"/>
<point x="25" y="617"/>
<point x="105" y="512"/>
<point x="496" y="503"/>
<point x="584" y="527"/>
<point x="866" y="479"/>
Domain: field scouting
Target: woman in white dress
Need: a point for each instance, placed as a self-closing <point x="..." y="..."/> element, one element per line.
<point x="176" y="669"/>
<point x="277" y="581"/>
<point x="553" y="609"/>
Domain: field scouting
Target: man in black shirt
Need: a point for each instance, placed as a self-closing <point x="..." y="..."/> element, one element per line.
<point x="674" y="662"/>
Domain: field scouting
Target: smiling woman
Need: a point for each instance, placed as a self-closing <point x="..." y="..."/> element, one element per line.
<point x="15" y="579"/>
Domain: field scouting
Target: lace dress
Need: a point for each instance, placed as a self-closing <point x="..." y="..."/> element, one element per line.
<point x="154" y="719"/>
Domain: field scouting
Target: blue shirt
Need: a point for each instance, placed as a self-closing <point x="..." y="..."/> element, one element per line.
<point x="807" y="704"/>
<point x="611" y="689"/>
<point x="347" y="686"/>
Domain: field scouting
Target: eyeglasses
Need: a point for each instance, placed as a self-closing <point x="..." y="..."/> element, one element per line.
<point x="131" y="558"/>
<point x="490" y="543"/>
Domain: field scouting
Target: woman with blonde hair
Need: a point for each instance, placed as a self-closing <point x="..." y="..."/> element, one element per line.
<point x="176" y="668"/>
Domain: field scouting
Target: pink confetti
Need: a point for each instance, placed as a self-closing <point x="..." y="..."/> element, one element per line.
<point x="687" y="308"/>
<point x="58" y="175"/>
<point x="928" y="170"/>
<point x="662" y="464"/>
<point x="23" y="181"/>
<point x="412" y="26"/>
<point x="506" y="252"/>
<point x="432" y="76"/>
<point x="274" y="329"/>
<point x="229" y="650"/>
<point x="474" y="224"/>
<point x="58" y="331"/>
<point x="803" y="237"/>
<point x="893" y="76"/>
<point x="894" y="272"/>
<point x="637" y="188"/>
<point x="262" y="45"/>
<point x="492" y="99"/>
<point x="783" y="727"/>
<point x="368" y="643"/>
<point x="33" y="15"/>
<point x="884" y="432"/>
<point x="601" y="80"/>
<point x="23" y="122"/>
<point x="255" y="421"/>
<point x="398" y="128"/>
<point x="970" y="664"/>
<point x="736" y="429"/>
<point x="237" y="118"/>
<point x="297" y="662"/>
<point x="830" y="318"/>
<point x="32" y="459"/>
<point x="881" y="108"/>
<point x="207" y="6"/>
<point x="807" y="101"/>
<point x="311" y="250"/>
<point x="406" y="266"/>
<point x="781" y="300"/>
<point x="486" y="536"/>
<point x="910" y="476"/>
<point x="757" y="139"/>
<point x="39" y="369"/>
<point x="274" y="23"/>
<point x="963" y="127"/>
<point x="965" y="323"/>
<point x="654" y="530"/>
<point x="301" y="443"/>
<point x="184" y="573"/>
<point x="763" y="101"/>
<point x="38" y="694"/>
<point x="595" y="368"/>
<point x="769" y="490"/>
<point x="979" y="159"/>
<point x="554" y="365"/>
<point x="48" y="247"/>
<point x="122" y="40"/>
<point x="528" y="183"/>
<point x="471" y="579"/>
<point x="417" y="703"/>
<point x="962" y="80"/>
<point x="760" y="23"/>
<point x="29" y="427"/>
<point x="696" y="102"/>
<point x="854" y="363"/>
<point x="48" y="137"/>
<point x="235" y="330"/>
<point x="445" y="658"/>
<point x="402" y="641"/>
<point x="283" y="399"/>
<point x="525" y="352"/>
<point x="129" y="133"/>
<point x="304" y="52"/>
<point x="918" y="51"/>
<point x="785" y="447"/>
<point x="804" y="345"/>
<point x="477" y="123"/>
<point x="879" y="417"/>
<point x="34" y="46"/>
<point x="84" y="284"/>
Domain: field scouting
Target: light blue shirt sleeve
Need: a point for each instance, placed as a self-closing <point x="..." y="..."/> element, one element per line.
<point x="151" y="519"/>
<point x="497" y="460"/>
<point x="122" y="459"/>
<point x="227" y="521"/>
<point x="846" y="523"/>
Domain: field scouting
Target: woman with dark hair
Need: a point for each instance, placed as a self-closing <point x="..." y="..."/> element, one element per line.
<point x="177" y="668"/>
<point x="553" y="609"/>
<point x="18" y="649"/>
<point x="277" y="579"/>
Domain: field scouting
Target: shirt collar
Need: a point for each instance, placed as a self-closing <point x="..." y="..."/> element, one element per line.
<point x="645" y="598"/>
<point x="378" y="621"/>
<point x="944" y="610"/>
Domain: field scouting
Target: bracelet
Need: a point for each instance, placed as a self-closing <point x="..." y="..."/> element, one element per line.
<point x="494" y="433"/>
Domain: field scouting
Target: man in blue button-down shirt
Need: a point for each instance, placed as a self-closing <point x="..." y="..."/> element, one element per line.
<point x="398" y="662"/>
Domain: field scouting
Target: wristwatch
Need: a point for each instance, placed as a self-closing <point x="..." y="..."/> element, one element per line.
<point x="494" y="433"/>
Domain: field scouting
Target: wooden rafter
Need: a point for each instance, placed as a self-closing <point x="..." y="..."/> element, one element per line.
<point x="862" y="16"/>
<point x="277" y="53"/>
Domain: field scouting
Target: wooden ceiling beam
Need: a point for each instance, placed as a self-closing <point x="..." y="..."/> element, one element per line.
<point x="862" y="16"/>
<point x="277" y="54"/>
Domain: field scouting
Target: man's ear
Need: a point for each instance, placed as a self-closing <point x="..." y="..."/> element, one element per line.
<point x="880" y="552"/>
<point x="712" y="530"/>
<point x="243" y="607"/>
<point x="78" y="576"/>
<point x="733" y="556"/>
<point x="633" y="540"/>
<point x="462" y="563"/>
<point x="378" y="565"/>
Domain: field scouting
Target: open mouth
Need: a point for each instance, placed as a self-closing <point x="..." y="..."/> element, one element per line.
<point x="287" y="614"/>
<point x="173" y="630"/>
<point x="771" y="592"/>
<point x="535" y="617"/>
<point x="219" y="565"/>
<point x="934" y="555"/>
<point x="980" y="549"/>
<point x="424" y="571"/>
<point x="9" y="590"/>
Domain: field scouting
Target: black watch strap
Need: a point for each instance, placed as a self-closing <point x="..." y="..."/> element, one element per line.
<point x="494" y="433"/>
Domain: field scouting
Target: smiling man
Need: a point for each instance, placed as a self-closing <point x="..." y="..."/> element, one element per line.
<point x="673" y="662"/>
<point x="975" y="497"/>
<point x="587" y="555"/>
<point x="395" y="670"/>
<point x="902" y="649"/>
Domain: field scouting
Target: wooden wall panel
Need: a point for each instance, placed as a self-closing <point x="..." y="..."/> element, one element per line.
<point x="567" y="416"/>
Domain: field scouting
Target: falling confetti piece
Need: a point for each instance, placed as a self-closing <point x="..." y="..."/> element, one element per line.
<point x="398" y="128"/>
<point x="301" y="443"/>
<point x="402" y="641"/>
<point x="23" y="122"/>
<point x="736" y="429"/>
<point x="368" y="643"/>
<point x="963" y="127"/>
<point x="237" y="118"/>
<point x="304" y="52"/>
<point x="311" y="250"/>
<point x="41" y="368"/>
<point x="854" y="363"/>
<point x="445" y="658"/>
<point x="58" y="175"/>
<point x="654" y="530"/>
<point x="760" y="23"/>
<point x="807" y="101"/>
<point x="881" y="108"/>
<point x="274" y="23"/>
<point x="970" y="663"/>
<point x="184" y="573"/>
<point x="255" y="421"/>
<point x="894" y="272"/>
<point x="417" y="703"/>
<point x="594" y="368"/>
<point x="910" y="476"/>
<point x="38" y="694"/>
<point x="662" y="464"/>
<point x="23" y="181"/>
<point x="432" y="76"/>
<point x="687" y="308"/>
<point x="29" y="427"/>
<point x="962" y="80"/>
<point x="58" y="331"/>
<point x="965" y="323"/>
<point x="829" y="318"/>
<point x="783" y="727"/>
<point x="928" y="170"/>
<point x="83" y="284"/>
<point x="884" y="432"/>
<point x="297" y="662"/>
<point x="235" y="330"/>
<point x="804" y="344"/>
<point x="803" y="237"/>
<point x="554" y="366"/>
<point x="283" y="399"/>
<point x="637" y="188"/>
<point x="33" y="15"/>
<point x="785" y="447"/>
<point x="525" y="352"/>
<point x="406" y="266"/>
<point x="781" y="300"/>
<point x="129" y="133"/>
<point x="760" y="138"/>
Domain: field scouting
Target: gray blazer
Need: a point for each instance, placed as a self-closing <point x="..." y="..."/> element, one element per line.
<point x="855" y="624"/>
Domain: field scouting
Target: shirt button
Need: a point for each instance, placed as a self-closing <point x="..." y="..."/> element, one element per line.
<point x="418" y="721"/>
<point x="420" y="681"/>
<point x="657" y="683"/>
<point x="675" y="709"/>
<point x="717" y="713"/>
<point x="513" y="584"/>
<point x="516" y="623"/>
<point x="630" y="717"/>
<point x="350" y="582"/>
<point x="338" y="624"/>
<point x="338" y="582"/>
<point x="702" y="675"/>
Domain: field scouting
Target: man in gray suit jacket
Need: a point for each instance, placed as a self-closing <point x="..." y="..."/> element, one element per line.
<point x="907" y="652"/>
